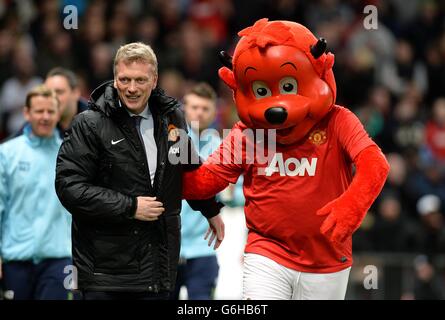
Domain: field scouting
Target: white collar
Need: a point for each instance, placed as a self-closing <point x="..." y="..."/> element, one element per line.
<point x="146" y="113"/>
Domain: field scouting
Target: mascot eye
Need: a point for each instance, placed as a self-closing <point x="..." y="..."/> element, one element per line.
<point x="288" y="85"/>
<point x="261" y="90"/>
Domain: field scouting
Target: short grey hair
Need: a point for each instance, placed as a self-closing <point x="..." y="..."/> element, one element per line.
<point x="136" y="51"/>
<point x="67" y="74"/>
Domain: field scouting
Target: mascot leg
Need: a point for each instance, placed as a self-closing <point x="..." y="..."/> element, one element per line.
<point x="265" y="279"/>
<point x="322" y="286"/>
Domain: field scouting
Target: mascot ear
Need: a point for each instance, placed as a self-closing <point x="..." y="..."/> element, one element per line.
<point x="228" y="77"/>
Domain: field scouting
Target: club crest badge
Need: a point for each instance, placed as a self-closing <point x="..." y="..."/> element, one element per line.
<point x="173" y="133"/>
<point x="318" y="137"/>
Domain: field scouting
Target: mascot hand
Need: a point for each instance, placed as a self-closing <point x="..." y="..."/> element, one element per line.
<point x="342" y="220"/>
<point x="346" y="213"/>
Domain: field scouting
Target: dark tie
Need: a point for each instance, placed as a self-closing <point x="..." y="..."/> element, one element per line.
<point x="137" y="124"/>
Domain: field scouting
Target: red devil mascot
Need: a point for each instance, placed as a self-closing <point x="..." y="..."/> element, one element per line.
<point x="304" y="203"/>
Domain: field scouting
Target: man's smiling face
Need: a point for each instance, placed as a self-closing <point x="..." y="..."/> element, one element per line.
<point x="134" y="81"/>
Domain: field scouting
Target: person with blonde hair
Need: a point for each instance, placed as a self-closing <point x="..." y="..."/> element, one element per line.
<point x="115" y="177"/>
<point x="35" y="244"/>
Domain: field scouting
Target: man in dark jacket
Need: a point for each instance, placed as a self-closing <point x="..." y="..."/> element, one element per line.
<point x="115" y="178"/>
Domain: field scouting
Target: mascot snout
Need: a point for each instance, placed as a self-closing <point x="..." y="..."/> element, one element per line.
<point x="276" y="115"/>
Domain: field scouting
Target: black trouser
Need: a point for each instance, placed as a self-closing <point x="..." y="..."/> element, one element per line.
<point x="199" y="276"/>
<point x="24" y="280"/>
<point x="101" y="295"/>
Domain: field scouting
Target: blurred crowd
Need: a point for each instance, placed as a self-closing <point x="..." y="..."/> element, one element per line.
<point x="392" y="77"/>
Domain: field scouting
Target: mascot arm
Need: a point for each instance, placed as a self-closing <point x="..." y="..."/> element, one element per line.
<point x="201" y="184"/>
<point x="346" y="213"/>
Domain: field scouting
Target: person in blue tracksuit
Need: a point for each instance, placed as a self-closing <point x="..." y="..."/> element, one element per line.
<point x="35" y="237"/>
<point x="198" y="267"/>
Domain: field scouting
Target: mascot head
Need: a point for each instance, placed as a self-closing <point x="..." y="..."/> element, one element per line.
<point x="281" y="77"/>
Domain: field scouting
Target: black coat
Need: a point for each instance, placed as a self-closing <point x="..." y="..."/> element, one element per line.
<point x="98" y="183"/>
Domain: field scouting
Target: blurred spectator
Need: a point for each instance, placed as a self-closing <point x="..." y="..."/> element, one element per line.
<point x="428" y="173"/>
<point x="435" y="132"/>
<point x="435" y="66"/>
<point x="246" y="12"/>
<point x="227" y="114"/>
<point x="396" y="182"/>
<point x="147" y="31"/>
<point x="366" y="53"/>
<point x="425" y="27"/>
<point x="169" y="13"/>
<point x="362" y="238"/>
<point x="64" y="82"/>
<point x="402" y="72"/>
<point x="374" y="112"/>
<point x="56" y="52"/>
<point x="355" y="71"/>
<point x="119" y="26"/>
<point x="194" y="60"/>
<point x="426" y="285"/>
<point x="397" y="173"/>
<point x="46" y="22"/>
<point x="92" y="31"/>
<point x="173" y="83"/>
<point x="394" y="230"/>
<point x="101" y="63"/>
<point x="12" y="93"/>
<point x="6" y="47"/>
<point x="328" y="10"/>
<point x="34" y="226"/>
<point x="433" y="228"/>
<point x="426" y="179"/>
<point x="198" y="266"/>
<point x="211" y="16"/>
<point x="405" y="131"/>
<point x="293" y="10"/>
<point x="329" y="19"/>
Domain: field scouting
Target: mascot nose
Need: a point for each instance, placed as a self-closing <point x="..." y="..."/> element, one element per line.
<point x="276" y="115"/>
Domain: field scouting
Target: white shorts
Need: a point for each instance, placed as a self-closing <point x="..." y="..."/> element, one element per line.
<point x="265" y="279"/>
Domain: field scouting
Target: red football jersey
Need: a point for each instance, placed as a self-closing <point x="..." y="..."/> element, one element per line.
<point x="283" y="195"/>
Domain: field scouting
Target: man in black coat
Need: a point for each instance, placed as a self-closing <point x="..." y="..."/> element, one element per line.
<point x="115" y="176"/>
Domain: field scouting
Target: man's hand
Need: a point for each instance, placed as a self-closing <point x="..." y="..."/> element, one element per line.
<point x="215" y="231"/>
<point x="148" y="209"/>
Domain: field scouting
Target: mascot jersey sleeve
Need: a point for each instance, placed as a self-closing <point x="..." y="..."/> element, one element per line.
<point x="284" y="193"/>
